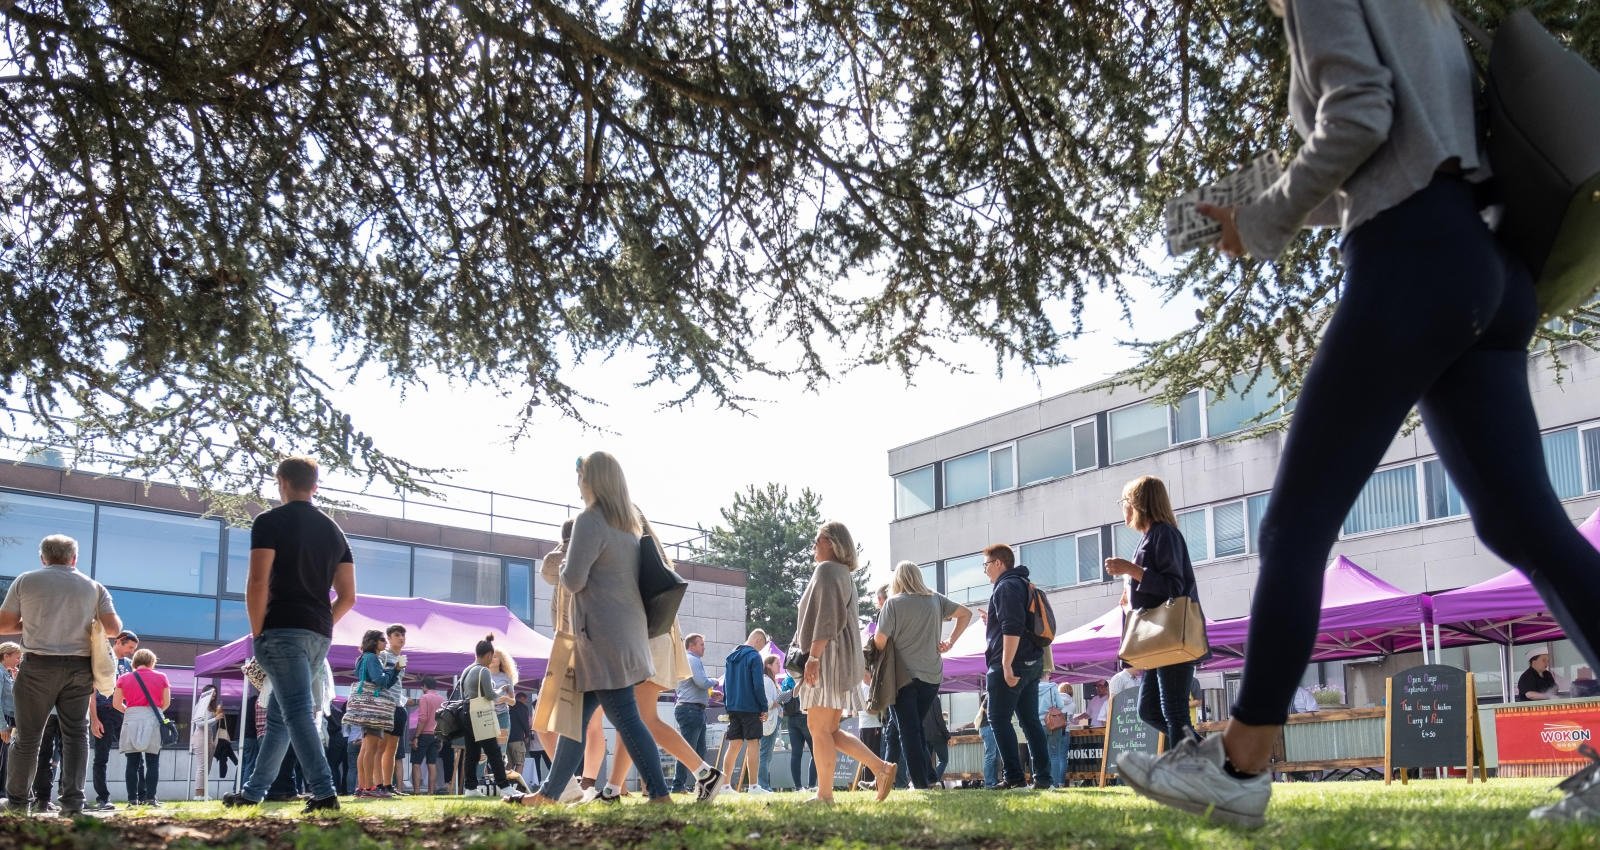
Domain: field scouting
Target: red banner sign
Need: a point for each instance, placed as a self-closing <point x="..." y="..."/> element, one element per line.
<point x="1535" y="734"/>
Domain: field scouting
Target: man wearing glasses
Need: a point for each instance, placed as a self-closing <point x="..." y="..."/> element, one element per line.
<point x="1014" y="667"/>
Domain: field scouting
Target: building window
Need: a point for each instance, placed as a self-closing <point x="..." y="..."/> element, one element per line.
<point x="457" y="577"/>
<point x="163" y="615"/>
<point x="26" y="520"/>
<point x="1046" y="455"/>
<point x="1125" y="540"/>
<point x="930" y="575"/>
<point x="233" y="620"/>
<point x="966" y="478"/>
<point x="1591" y="451"/>
<point x="964" y="576"/>
<point x="156" y="551"/>
<point x="237" y="573"/>
<point x="382" y="565"/>
<point x="519" y="589"/>
<point x="1443" y="499"/>
<point x="1388" y="500"/>
<point x="1137" y="431"/>
<point x="1193" y="526"/>
<point x="1255" y="509"/>
<point x="1238" y="408"/>
<point x="913" y="492"/>
<point x="1561" y="459"/>
<point x="1227" y="525"/>
<point x="1186" y="424"/>
<point x="1002" y="469"/>
<point x="1091" y="567"/>
<point x="1085" y="448"/>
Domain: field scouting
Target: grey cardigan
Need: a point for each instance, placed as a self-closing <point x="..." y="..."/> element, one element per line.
<point x="1381" y="91"/>
<point x="601" y="571"/>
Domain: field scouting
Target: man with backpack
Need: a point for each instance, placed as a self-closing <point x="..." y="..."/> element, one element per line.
<point x="1014" y="658"/>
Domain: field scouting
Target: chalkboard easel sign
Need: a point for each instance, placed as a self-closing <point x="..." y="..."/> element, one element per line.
<point x="1126" y="733"/>
<point x="1432" y="721"/>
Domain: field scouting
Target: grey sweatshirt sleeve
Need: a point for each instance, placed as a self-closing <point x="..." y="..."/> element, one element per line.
<point x="1335" y="61"/>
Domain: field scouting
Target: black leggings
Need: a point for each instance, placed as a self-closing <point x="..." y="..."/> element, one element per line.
<point x="1434" y="314"/>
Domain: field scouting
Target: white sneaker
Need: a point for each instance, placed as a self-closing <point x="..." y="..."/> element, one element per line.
<point x="1582" y="802"/>
<point x="474" y="791"/>
<point x="509" y="791"/>
<point x="1190" y="777"/>
<point x="574" y="792"/>
<point x="757" y="789"/>
<point x="590" y="794"/>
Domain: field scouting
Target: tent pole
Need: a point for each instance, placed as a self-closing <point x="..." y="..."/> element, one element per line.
<point x="194" y="702"/>
<point x="1422" y="629"/>
<point x="244" y="709"/>
<point x="1505" y="670"/>
<point x="1436" y="640"/>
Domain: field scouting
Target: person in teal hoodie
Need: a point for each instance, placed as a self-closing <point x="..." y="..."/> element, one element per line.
<point x="746" y="699"/>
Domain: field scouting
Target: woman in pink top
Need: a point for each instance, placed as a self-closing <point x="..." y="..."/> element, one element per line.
<point x="141" y="725"/>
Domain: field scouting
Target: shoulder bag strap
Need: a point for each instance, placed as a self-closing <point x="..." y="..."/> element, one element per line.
<point x="160" y="716"/>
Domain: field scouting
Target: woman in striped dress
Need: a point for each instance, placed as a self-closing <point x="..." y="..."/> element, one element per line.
<point x="828" y="630"/>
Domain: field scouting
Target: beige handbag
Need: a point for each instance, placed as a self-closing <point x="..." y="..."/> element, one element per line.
<point x="560" y="706"/>
<point x="1170" y="633"/>
<point x="103" y="663"/>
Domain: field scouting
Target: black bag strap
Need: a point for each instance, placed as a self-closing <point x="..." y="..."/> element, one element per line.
<point x="160" y="716"/>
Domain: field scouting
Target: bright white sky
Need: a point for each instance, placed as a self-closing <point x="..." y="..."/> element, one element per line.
<point x="683" y="466"/>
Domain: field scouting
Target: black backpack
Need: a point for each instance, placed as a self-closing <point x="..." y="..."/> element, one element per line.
<point x="451" y="721"/>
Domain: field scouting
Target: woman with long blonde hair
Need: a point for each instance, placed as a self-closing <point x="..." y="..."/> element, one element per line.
<point x="828" y="631"/>
<point x="601" y="571"/>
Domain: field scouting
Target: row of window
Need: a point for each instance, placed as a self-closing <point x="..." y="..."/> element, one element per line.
<point x="1408" y="494"/>
<point x="181" y="576"/>
<point x="1133" y="431"/>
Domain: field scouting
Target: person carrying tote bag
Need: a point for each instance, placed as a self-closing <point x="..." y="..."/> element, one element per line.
<point x="1162" y="590"/>
<point x="482" y="739"/>
<point x="371" y="709"/>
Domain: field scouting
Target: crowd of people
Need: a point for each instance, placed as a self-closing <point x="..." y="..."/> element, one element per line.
<point x="297" y="740"/>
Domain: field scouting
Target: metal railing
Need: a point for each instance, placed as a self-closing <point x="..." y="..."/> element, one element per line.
<point x="457" y="505"/>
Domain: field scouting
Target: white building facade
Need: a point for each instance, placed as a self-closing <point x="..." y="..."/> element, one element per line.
<point x="1046" y="479"/>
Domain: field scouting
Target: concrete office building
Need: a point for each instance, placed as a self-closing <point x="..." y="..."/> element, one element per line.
<point x="1046" y="478"/>
<point x="178" y="578"/>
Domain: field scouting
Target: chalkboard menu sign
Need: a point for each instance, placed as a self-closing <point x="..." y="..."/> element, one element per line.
<point x="1432" y="719"/>
<point x="1125" y="732"/>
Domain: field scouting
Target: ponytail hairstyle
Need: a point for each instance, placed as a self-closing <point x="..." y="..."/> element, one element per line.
<point x="485" y="646"/>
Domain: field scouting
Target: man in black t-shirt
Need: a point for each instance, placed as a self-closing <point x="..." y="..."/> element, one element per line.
<point x="1537" y="682"/>
<point x="297" y="554"/>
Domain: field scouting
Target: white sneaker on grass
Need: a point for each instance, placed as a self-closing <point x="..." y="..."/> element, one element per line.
<point x="574" y="792"/>
<point x="474" y="791"/>
<point x="757" y="789"/>
<point x="1582" y="800"/>
<point x="1190" y="777"/>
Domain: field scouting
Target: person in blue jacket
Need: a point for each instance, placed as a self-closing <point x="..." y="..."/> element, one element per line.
<point x="746" y="698"/>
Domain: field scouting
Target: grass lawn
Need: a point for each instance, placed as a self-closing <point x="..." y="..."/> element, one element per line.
<point x="1428" y="815"/>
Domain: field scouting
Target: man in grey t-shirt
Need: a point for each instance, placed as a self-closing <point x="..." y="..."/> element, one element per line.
<point x="53" y="607"/>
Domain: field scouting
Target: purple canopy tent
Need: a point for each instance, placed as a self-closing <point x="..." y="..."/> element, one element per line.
<point x="1362" y="615"/>
<point x="440" y="638"/>
<point x="1505" y="609"/>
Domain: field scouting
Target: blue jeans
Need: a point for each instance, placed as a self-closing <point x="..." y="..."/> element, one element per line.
<point x="911" y="706"/>
<point x="991" y="755"/>
<point x="799" y="740"/>
<point x="623" y="711"/>
<point x="764" y="772"/>
<point x="1057" y="742"/>
<point x="247" y="754"/>
<point x="287" y="656"/>
<point x="1022" y="702"/>
<point x="691" y="719"/>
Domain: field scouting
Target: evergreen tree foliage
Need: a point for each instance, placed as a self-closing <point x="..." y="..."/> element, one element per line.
<point x="771" y="536"/>
<point x="199" y="194"/>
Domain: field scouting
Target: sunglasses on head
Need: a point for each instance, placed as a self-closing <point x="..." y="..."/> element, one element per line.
<point x="580" y="464"/>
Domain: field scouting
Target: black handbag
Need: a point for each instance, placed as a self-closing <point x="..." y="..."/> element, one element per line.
<point x="660" y="587"/>
<point x="169" y="729"/>
<point x="1543" y="139"/>
<point x="795" y="662"/>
